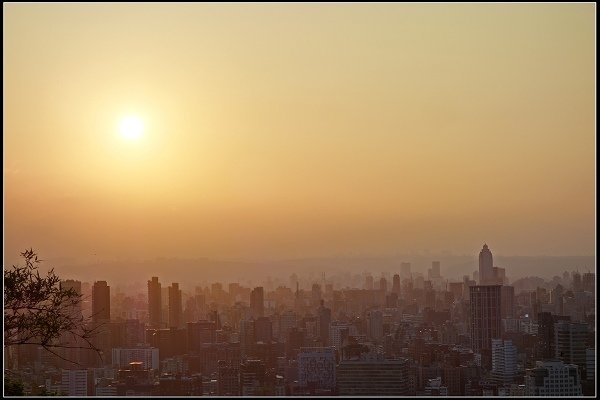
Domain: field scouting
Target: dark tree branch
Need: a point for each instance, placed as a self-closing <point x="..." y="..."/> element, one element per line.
<point x="37" y="310"/>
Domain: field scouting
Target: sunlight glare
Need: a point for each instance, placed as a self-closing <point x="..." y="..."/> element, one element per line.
<point x="131" y="127"/>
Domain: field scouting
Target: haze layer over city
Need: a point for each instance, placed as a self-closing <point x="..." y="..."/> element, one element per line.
<point x="384" y="169"/>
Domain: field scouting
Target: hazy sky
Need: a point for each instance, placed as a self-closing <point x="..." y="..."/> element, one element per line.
<point x="296" y="130"/>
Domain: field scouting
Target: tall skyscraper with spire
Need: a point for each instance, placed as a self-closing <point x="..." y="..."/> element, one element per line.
<point x="486" y="266"/>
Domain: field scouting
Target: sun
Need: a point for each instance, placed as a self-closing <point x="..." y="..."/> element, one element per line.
<point x="131" y="127"/>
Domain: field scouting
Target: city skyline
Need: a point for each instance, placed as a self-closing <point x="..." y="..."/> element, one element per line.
<point x="298" y="130"/>
<point x="299" y="199"/>
<point x="343" y="275"/>
<point x="367" y="338"/>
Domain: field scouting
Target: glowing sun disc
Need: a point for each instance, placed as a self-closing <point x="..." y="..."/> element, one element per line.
<point x="131" y="127"/>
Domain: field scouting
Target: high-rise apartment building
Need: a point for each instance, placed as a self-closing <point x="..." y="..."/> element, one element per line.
<point x="169" y="341"/>
<point x="507" y="301"/>
<point x="175" y="308"/>
<point x="570" y="342"/>
<point x="485" y="316"/>
<point x="590" y="360"/>
<point x="316" y="295"/>
<point x="383" y="284"/>
<point x="396" y="284"/>
<point x="74" y="346"/>
<point x="375" y="324"/>
<point x="257" y="302"/>
<point x="577" y="284"/>
<point x="504" y="361"/>
<point x="588" y="281"/>
<point x="295" y="340"/>
<point x="164" y="299"/>
<point x="434" y="272"/>
<point x="405" y="272"/>
<point x="553" y="378"/>
<point x="154" y="303"/>
<point x="557" y="299"/>
<point x="100" y="302"/>
<point x="100" y="319"/>
<point x="199" y="333"/>
<point x="546" y="346"/>
<point x="71" y="284"/>
<point x="287" y="321"/>
<point x="323" y="323"/>
<point x="247" y="336"/>
<point x="133" y="332"/>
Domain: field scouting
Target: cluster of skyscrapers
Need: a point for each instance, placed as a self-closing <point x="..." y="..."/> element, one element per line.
<point x="417" y="336"/>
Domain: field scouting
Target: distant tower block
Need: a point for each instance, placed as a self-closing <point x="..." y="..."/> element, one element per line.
<point x="154" y="303"/>
<point x="486" y="266"/>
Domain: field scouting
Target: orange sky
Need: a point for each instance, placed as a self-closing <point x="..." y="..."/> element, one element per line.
<point x="296" y="130"/>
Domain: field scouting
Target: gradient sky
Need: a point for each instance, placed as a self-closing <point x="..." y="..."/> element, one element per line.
<point x="297" y="130"/>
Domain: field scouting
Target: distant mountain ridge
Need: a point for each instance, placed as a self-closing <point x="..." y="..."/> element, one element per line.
<point x="188" y="271"/>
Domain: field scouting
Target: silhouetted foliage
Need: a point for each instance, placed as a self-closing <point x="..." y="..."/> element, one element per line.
<point x="13" y="387"/>
<point x="38" y="311"/>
